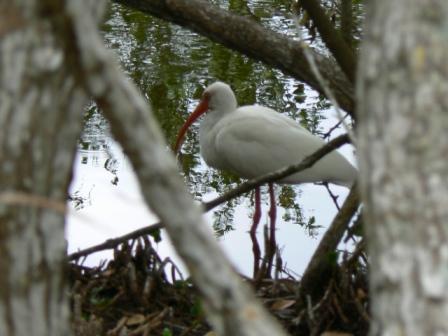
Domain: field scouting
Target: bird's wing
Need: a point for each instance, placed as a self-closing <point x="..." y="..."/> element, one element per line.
<point x="258" y="140"/>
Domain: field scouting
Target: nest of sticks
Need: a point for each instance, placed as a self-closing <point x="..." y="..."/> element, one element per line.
<point x="139" y="293"/>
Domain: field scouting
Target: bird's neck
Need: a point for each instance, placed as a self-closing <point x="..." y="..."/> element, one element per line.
<point x="211" y="118"/>
<point x="208" y="131"/>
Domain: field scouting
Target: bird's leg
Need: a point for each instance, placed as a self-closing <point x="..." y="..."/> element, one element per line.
<point x="272" y="240"/>
<point x="270" y="244"/>
<point x="253" y="232"/>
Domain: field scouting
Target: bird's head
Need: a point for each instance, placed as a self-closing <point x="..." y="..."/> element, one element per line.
<point x="217" y="98"/>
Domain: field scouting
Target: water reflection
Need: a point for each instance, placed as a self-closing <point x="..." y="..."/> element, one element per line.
<point x="171" y="67"/>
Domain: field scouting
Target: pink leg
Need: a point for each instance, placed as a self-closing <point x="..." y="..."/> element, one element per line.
<point x="253" y="232"/>
<point x="272" y="241"/>
<point x="273" y="209"/>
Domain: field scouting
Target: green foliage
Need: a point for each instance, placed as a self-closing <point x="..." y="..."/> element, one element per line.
<point x="197" y="309"/>
<point x="167" y="332"/>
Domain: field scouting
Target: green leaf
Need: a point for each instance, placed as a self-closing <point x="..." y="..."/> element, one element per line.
<point x="167" y="332"/>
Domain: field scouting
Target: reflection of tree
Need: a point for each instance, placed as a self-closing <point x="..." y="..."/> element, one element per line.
<point x="94" y="143"/>
<point x="94" y="136"/>
<point x="224" y="219"/>
<point x="94" y="150"/>
<point x="80" y="201"/>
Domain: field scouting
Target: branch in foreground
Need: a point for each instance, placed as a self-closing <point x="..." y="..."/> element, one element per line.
<point x="240" y="190"/>
<point x="229" y="303"/>
<point x="316" y="276"/>
<point x="308" y="162"/>
<point x="251" y="39"/>
<point x="113" y="243"/>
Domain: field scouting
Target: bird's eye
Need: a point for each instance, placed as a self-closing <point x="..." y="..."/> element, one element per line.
<point x="206" y="95"/>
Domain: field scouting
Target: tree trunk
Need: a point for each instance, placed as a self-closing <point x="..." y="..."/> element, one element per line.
<point x="403" y="147"/>
<point x="41" y="114"/>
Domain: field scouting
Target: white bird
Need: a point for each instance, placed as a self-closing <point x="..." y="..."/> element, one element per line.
<point x="251" y="141"/>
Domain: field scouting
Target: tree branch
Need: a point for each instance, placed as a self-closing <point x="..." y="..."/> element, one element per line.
<point x="252" y="39"/>
<point x="347" y="22"/>
<point x="113" y="243"/>
<point x="315" y="277"/>
<point x="308" y="162"/>
<point x="207" y="206"/>
<point x="332" y="38"/>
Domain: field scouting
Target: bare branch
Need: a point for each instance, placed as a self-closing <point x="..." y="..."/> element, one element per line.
<point x="332" y="38"/>
<point x="113" y="243"/>
<point x="38" y="201"/>
<point x="251" y="39"/>
<point x="308" y="162"/>
<point x="328" y="133"/>
<point x="347" y="21"/>
<point x="315" y="276"/>
<point x="328" y="92"/>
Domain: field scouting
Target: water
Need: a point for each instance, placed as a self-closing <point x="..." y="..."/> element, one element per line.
<point x="171" y="67"/>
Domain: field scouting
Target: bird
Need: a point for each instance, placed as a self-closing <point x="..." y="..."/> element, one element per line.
<point x="253" y="140"/>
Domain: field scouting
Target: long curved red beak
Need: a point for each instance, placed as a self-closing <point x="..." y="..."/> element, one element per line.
<point x="199" y="110"/>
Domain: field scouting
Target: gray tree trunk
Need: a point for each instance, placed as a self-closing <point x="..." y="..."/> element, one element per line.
<point x="40" y="116"/>
<point x="403" y="147"/>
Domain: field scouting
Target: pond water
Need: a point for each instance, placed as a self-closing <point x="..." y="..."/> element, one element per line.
<point x="171" y="66"/>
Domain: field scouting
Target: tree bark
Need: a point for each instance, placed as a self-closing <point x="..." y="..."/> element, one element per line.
<point x="41" y="112"/>
<point x="403" y="145"/>
<point x="333" y="39"/>
<point x="318" y="273"/>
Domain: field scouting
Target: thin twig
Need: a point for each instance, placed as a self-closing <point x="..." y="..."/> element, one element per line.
<point x="308" y="162"/>
<point x="328" y="92"/>
<point x="112" y="243"/>
<point x="328" y="133"/>
<point x="38" y="201"/>
<point x="332" y="196"/>
<point x="19" y="198"/>
<point x="332" y="38"/>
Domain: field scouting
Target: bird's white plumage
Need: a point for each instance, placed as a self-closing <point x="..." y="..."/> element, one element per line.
<point x="254" y="140"/>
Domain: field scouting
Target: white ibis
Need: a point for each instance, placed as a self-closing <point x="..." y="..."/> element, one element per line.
<point x="251" y="141"/>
